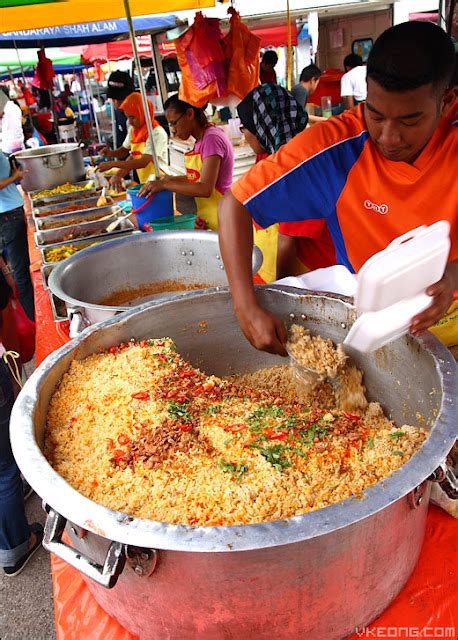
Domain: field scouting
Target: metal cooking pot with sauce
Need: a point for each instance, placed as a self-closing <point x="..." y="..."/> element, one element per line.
<point x="103" y="280"/>
<point x="315" y="576"/>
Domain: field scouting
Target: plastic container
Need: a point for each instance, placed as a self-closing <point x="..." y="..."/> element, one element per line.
<point x="392" y="285"/>
<point x="326" y="106"/>
<point x="150" y="208"/>
<point x="185" y="221"/>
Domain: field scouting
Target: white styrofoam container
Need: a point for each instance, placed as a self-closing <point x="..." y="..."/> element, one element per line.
<point x="392" y="285"/>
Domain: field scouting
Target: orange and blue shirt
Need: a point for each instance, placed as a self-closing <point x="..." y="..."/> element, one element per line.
<point x="335" y="172"/>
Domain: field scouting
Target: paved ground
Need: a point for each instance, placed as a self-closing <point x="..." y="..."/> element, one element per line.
<point x="26" y="607"/>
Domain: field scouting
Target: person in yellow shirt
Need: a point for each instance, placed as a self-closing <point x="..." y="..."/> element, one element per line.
<point x="138" y="149"/>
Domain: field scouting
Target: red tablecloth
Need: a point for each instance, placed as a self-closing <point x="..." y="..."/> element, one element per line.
<point x="427" y="607"/>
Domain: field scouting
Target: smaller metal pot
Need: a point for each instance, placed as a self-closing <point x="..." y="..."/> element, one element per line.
<point x="50" y="166"/>
<point x="92" y="275"/>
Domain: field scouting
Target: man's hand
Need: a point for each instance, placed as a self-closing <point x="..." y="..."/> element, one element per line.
<point x="442" y="297"/>
<point x="18" y="174"/>
<point x="263" y="329"/>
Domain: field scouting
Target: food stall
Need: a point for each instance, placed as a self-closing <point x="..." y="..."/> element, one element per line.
<point x="323" y="574"/>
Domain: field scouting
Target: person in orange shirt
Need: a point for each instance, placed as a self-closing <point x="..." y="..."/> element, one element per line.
<point x="373" y="173"/>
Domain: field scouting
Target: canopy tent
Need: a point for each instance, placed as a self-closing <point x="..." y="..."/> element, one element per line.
<point x="38" y="21"/>
<point x="15" y="72"/>
<point x="28" y="60"/>
<point x="83" y="33"/>
<point x="117" y="50"/>
<point x="276" y="35"/>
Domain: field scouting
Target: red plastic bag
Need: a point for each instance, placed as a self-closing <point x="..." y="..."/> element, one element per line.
<point x="202" y="61"/>
<point x="18" y="332"/>
<point x="242" y="51"/>
<point x="217" y="69"/>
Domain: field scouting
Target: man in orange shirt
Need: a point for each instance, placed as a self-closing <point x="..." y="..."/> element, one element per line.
<point x="373" y="173"/>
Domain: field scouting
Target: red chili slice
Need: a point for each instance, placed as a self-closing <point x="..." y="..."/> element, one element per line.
<point x="235" y="428"/>
<point x="351" y="416"/>
<point x="118" y="454"/>
<point x="199" y="389"/>
<point x="187" y="426"/>
<point x="187" y="374"/>
<point x="160" y="343"/>
<point x="123" y="439"/>
<point x="161" y="357"/>
<point x="141" y="395"/>
<point x="113" y="349"/>
<point x="275" y="435"/>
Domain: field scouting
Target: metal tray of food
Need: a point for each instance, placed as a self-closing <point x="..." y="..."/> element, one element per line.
<point x="86" y="231"/>
<point x="47" y="266"/>
<point x="54" y="209"/>
<point x="74" y="218"/>
<point x="86" y="186"/>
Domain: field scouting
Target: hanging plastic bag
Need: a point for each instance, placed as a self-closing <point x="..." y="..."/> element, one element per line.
<point x="217" y="69"/>
<point x="202" y="62"/>
<point x="242" y="50"/>
<point x="18" y="331"/>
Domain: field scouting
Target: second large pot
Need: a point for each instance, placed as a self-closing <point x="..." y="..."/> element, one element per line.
<point x="51" y="166"/>
<point x="184" y="258"/>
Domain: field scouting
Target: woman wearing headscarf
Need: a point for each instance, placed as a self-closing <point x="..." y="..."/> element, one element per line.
<point x="139" y="152"/>
<point x="270" y="116"/>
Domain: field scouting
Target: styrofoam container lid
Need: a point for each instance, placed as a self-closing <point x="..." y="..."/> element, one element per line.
<point x="406" y="268"/>
<point x="392" y="285"/>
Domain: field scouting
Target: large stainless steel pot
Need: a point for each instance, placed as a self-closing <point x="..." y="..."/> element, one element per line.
<point x="86" y="278"/>
<point x="50" y="166"/>
<point x="314" y="577"/>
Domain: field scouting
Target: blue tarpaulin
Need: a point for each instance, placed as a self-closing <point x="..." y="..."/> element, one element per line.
<point x="85" y="32"/>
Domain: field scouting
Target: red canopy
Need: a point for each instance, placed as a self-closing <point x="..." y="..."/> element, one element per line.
<point x="117" y="50"/>
<point x="276" y="35"/>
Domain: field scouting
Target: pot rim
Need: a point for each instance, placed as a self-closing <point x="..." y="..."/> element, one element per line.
<point x="118" y="526"/>
<point x="59" y="271"/>
<point x="49" y="150"/>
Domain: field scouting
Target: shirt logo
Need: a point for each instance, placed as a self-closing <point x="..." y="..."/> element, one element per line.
<point x="378" y="208"/>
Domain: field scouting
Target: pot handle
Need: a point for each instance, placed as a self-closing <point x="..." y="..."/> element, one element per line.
<point x="54" y="161"/>
<point x="106" y="575"/>
<point x="77" y="322"/>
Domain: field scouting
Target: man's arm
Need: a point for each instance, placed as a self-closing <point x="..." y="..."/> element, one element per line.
<point x="348" y="102"/>
<point x="235" y="229"/>
<point x="442" y="293"/>
<point x="286" y="256"/>
<point x="17" y="174"/>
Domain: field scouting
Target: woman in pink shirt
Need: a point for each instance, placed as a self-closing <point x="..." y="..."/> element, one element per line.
<point x="209" y="165"/>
